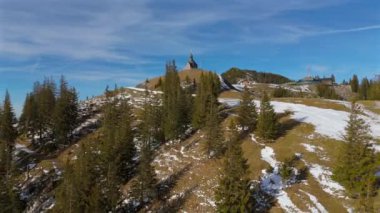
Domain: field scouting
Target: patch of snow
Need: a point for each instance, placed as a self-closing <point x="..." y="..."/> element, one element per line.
<point x="253" y="138"/>
<point x="223" y="84"/>
<point x="231" y="102"/>
<point x="21" y="147"/>
<point x="318" y="206"/>
<point x="171" y="157"/>
<point x="31" y="165"/>
<point x="284" y="200"/>
<point x="311" y="148"/>
<point x="143" y="90"/>
<point x="376" y="147"/>
<point x="239" y="87"/>
<point x="267" y="154"/>
<point x="272" y="182"/>
<point x="323" y="176"/>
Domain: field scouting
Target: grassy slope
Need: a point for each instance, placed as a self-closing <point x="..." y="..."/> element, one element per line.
<point x="287" y="146"/>
<point x="373" y="106"/>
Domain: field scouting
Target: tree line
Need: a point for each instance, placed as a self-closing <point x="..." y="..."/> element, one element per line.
<point x="234" y="74"/>
<point x="365" y="89"/>
<point x="50" y="114"/>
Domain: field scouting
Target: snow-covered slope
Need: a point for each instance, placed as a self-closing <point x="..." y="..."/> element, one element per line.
<point x="327" y="122"/>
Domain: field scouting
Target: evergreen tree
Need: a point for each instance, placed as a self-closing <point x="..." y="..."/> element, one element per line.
<point x="186" y="106"/>
<point x="333" y="78"/>
<point x="65" y="113"/>
<point x="79" y="190"/>
<point x="28" y="118"/>
<point x="207" y="90"/>
<point x="267" y="125"/>
<point x="354" y="83"/>
<point x="364" y="89"/>
<point x="8" y="198"/>
<point x="125" y="147"/>
<point x="357" y="166"/>
<point x="213" y="144"/>
<point x="159" y="84"/>
<point x="247" y="114"/>
<point x="144" y="186"/>
<point x="233" y="193"/>
<point x="326" y="91"/>
<point x="42" y="103"/>
<point x="152" y="117"/>
<point x="8" y="132"/>
<point x="374" y="90"/>
<point x="171" y="102"/>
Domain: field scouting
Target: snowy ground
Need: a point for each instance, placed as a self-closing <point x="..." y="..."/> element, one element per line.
<point x="327" y="122"/>
<point x="272" y="182"/>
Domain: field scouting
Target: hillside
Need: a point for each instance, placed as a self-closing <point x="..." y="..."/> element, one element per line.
<point x="311" y="130"/>
<point x="235" y="75"/>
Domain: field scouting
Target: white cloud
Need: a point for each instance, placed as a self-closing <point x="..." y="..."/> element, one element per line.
<point x="125" y="31"/>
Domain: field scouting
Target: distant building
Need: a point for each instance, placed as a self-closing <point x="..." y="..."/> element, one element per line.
<point x="316" y="80"/>
<point x="191" y="64"/>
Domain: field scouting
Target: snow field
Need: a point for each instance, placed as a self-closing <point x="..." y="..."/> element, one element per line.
<point x="327" y="122"/>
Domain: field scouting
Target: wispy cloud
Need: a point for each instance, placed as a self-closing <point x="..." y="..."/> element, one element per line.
<point x="126" y="31"/>
<point x="350" y="30"/>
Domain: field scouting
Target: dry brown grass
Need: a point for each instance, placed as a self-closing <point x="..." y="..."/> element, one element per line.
<point x="373" y="106"/>
<point x="230" y="94"/>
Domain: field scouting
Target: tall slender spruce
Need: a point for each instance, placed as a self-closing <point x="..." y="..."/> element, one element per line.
<point x="267" y="126"/>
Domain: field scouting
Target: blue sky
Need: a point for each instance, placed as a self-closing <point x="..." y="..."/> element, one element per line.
<point x="95" y="43"/>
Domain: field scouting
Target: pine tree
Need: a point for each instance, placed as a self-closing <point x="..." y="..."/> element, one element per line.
<point x="80" y="190"/>
<point x="207" y="89"/>
<point x="213" y="143"/>
<point x="357" y="166"/>
<point x="125" y="147"/>
<point x="159" y="84"/>
<point x="374" y="90"/>
<point x="29" y="117"/>
<point x="354" y="83"/>
<point x="247" y="113"/>
<point x="186" y="106"/>
<point x="364" y="89"/>
<point x="233" y="193"/>
<point x="144" y="186"/>
<point x="333" y="78"/>
<point x="65" y="113"/>
<point x="8" y="198"/>
<point x="171" y="102"/>
<point x="152" y="117"/>
<point x="8" y="132"/>
<point x="267" y="125"/>
<point x="43" y="106"/>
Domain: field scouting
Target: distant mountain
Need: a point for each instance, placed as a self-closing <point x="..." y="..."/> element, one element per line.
<point x="234" y="75"/>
